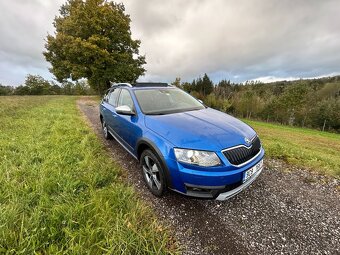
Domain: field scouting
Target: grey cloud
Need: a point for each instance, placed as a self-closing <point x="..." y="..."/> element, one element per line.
<point x="247" y="39"/>
<point x="237" y="40"/>
<point x="24" y="25"/>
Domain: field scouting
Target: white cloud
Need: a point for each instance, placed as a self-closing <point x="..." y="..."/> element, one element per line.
<point x="268" y="79"/>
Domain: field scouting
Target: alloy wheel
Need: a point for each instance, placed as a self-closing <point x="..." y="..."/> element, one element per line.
<point x="105" y="131"/>
<point x="151" y="173"/>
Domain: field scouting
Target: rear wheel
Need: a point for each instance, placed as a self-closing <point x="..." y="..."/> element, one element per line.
<point x="105" y="130"/>
<point x="153" y="173"/>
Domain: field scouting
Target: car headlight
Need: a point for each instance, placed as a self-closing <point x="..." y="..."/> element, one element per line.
<point x="201" y="158"/>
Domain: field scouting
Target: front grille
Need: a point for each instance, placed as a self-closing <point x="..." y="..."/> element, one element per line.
<point x="239" y="155"/>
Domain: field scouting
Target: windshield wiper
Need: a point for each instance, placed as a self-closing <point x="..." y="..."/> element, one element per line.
<point x="156" y="113"/>
<point x="175" y="111"/>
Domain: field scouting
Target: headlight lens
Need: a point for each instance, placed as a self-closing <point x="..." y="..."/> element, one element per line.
<point x="201" y="158"/>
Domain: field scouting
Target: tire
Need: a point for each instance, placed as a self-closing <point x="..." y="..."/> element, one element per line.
<point x="153" y="173"/>
<point x="106" y="133"/>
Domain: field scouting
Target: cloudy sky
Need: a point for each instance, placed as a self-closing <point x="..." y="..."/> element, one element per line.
<point x="237" y="40"/>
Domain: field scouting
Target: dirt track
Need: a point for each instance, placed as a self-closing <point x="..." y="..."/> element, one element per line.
<point x="286" y="210"/>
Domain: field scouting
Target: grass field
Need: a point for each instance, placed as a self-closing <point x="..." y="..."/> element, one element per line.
<point x="60" y="193"/>
<point x="309" y="148"/>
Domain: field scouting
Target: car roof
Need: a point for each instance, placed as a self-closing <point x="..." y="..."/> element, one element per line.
<point x="142" y="85"/>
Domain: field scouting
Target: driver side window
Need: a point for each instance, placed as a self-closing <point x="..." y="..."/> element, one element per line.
<point x="125" y="99"/>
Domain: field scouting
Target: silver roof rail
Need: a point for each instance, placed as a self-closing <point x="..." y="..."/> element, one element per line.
<point x="121" y="84"/>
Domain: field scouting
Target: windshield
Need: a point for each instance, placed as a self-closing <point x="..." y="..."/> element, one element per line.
<point x="158" y="101"/>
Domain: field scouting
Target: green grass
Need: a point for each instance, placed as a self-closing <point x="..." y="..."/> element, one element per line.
<point x="60" y="193"/>
<point x="319" y="151"/>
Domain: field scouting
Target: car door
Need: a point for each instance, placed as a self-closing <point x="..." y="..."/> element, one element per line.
<point x="109" y="111"/>
<point x="128" y="126"/>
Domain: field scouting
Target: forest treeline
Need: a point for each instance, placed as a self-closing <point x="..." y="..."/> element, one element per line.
<point x="37" y="85"/>
<point x="313" y="103"/>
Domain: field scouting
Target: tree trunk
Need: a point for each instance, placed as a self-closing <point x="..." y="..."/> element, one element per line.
<point x="303" y="121"/>
<point x="324" y="124"/>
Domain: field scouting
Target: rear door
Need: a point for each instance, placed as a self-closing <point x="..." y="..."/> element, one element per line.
<point x="109" y="111"/>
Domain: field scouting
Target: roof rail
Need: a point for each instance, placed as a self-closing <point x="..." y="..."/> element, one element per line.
<point x="113" y="84"/>
<point x="141" y="84"/>
<point x="151" y="84"/>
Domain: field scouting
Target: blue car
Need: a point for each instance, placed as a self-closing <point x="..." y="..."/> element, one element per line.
<point x="181" y="144"/>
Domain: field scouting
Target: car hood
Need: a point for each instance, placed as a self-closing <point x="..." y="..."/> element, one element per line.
<point x="205" y="129"/>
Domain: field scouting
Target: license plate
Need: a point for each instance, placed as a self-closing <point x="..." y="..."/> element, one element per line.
<point x="250" y="172"/>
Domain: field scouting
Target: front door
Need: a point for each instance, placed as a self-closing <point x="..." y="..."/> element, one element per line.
<point x="128" y="128"/>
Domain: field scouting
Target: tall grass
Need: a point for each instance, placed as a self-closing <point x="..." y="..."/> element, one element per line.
<point x="303" y="147"/>
<point x="60" y="193"/>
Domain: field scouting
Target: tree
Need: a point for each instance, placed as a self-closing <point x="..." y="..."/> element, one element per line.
<point x="177" y="82"/>
<point x="93" y="41"/>
<point x="203" y="86"/>
<point x="207" y="85"/>
<point x="54" y="89"/>
<point x="5" y="90"/>
<point x="22" y="90"/>
<point x="81" y="87"/>
<point x="327" y="112"/>
<point x="67" y="88"/>
<point x="37" y="85"/>
<point x="224" y="89"/>
<point x="187" y="86"/>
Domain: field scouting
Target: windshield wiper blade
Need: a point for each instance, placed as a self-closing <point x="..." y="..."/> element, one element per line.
<point x="156" y="113"/>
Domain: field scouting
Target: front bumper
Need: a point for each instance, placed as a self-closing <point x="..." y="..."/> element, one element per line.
<point x="219" y="183"/>
<point x="225" y="195"/>
<point x="220" y="193"/>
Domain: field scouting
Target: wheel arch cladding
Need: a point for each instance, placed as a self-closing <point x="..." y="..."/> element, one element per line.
<point x="144" y="144"/>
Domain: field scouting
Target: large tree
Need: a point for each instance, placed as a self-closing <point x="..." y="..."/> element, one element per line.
<point x="93" y="41"/>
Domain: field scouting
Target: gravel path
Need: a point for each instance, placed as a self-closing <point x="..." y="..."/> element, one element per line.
<point x="285" y="211"/>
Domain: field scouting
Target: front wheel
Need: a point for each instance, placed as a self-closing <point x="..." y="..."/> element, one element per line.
<point x="153" y="173"/>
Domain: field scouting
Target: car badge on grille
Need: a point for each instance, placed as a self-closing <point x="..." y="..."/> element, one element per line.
<point x="247" y="140"/>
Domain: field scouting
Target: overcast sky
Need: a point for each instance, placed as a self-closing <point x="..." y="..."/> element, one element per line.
<point x="237" y="40"/>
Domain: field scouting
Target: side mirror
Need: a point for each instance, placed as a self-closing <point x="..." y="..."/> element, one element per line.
<point x="124" y="110"/>
<point x="199" y="100"/>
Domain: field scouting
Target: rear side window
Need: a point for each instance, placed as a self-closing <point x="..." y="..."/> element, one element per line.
<point x="106" y="96"/>
<point x="113" y="97"/>
<point x="125" y="99"/>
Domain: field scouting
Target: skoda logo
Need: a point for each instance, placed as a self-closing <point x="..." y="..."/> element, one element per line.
<point x="247" y="140"/>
